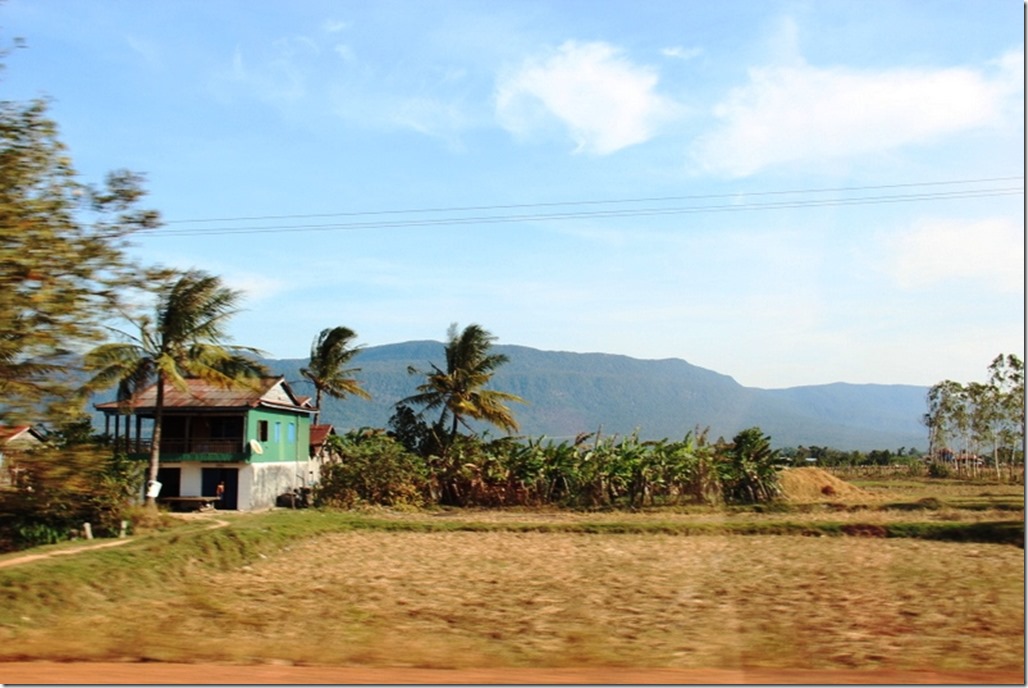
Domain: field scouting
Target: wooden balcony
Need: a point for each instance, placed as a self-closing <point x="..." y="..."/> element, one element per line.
<point x="203" y="449"/>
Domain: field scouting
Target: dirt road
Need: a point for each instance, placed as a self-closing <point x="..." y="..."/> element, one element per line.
<point x="153" y="672"/>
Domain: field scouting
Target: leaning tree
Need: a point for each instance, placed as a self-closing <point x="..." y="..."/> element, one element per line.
<point x="331" y="352"/>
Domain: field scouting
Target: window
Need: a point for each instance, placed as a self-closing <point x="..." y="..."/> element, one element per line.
<point x="291" y="433"/>
<point x="262" y="430"/>
<point x="278" y="432"/>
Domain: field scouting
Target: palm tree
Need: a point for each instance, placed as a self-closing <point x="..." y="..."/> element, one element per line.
<point x="330" y="352"/>
<point x="459" y="390"/>
<point x="184" y="339"/>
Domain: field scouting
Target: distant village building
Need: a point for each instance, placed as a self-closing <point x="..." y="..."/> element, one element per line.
<point x="14" y="440"/>
<point x="252" y="442"/>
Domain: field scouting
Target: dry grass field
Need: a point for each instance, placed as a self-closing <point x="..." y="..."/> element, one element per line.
<point x="458" y="600"/>
<point x="409" y="597"/>
<point x="473" y="599"/>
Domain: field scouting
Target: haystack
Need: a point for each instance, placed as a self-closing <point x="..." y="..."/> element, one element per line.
<point x="814" y="484"/>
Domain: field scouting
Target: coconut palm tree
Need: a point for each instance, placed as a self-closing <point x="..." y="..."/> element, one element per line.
<point x="185" y="338"/>
<point x="330" y="352"/>
<point x="458" y="392"/>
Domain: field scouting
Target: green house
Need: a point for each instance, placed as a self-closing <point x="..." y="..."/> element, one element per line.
<point x="253" y="441"/>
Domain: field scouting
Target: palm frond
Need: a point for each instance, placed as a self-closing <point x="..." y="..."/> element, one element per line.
<point x="223" y="366"/>
<point x="125" y="365"/>
<point x="331" y="350"/>
<point x="459" y="390"/>
<point x="194" y="309"/>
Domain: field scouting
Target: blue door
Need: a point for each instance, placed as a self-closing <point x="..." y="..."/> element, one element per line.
<point x="229" y="477"/>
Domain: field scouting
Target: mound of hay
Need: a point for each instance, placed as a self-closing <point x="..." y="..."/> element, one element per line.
<point x="813" y="484"/>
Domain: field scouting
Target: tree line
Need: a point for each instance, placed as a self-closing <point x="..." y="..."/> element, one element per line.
<point x="979" y="420"/>
<point x="832" y="457"/>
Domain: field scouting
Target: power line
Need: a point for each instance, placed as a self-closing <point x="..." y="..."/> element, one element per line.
<point x="650" y="199"/>
<point x="738" y="205"/>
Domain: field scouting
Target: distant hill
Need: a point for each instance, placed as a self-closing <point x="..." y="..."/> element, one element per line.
<point x="569" y="393"/>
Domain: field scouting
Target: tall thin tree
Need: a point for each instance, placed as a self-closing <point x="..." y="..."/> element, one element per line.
<point x="331" y="351"/>
<point x="185" y="338"/>
<point x="1006" y="380"/>
<point x="947" y="418"/>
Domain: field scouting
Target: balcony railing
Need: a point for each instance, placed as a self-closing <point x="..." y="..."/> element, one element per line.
<point x="181" y="445"/>
<point x="194" y="449"/>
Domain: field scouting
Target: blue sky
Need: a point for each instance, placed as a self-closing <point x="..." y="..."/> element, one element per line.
<point x="789" y="193"/>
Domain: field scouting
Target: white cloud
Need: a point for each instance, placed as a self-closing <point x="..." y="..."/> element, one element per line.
<point x="801" y="113"/>
<point x="280" y="77"/>
<point x="680" y="53"/>
<point x="1011" y="64"/>
<point x="256" y="287"/>
<point x="147" y="49"/>
<point x="334" y="25"/>
<point x="605" y="101"/>
<point x="989" y="251"/>
<point x="344" y="51"/>
<point x="432" y="117"/>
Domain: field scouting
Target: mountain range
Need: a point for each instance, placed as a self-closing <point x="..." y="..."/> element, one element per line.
<point x="571" y="393"/>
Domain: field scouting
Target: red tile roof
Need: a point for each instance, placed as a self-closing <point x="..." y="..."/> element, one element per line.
<point x="10" y="433"/>
<point x="320" y="433"/>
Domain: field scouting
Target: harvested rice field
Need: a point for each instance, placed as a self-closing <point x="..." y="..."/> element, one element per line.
<point x="498" y="599"/>
<point x="537" y="596"/>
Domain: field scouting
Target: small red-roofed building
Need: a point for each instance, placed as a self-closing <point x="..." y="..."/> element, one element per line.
<point x="320" y="450"/>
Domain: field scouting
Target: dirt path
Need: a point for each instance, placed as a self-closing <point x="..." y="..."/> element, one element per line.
<point x="63" y="552"/>
<point x="25" y="559"/>
<point x="151" y="673"/>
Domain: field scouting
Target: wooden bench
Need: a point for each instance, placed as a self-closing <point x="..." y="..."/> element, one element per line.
<point x="189" y="503"/>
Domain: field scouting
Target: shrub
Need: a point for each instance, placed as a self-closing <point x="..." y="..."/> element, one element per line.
<point x="939" y="470"/>
<point x="371" y="468"/>
<point x="748" y="468"/>
<point x="60" y="489"/>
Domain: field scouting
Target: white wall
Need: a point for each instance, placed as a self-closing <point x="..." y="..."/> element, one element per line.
<point x="260" y="484"/>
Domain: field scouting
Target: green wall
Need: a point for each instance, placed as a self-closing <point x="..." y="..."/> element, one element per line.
<point x="282" y="444"/>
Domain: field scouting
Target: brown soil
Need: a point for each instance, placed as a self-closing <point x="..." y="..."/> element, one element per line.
<point x="159" y="673"/>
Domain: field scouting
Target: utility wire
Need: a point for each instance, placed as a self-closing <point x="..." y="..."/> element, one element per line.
<point x="738" y="206"/>
<point x="651" y="199"/>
